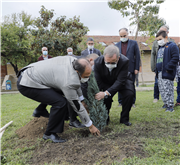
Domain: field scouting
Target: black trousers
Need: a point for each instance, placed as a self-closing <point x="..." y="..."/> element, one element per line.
<point x="120" y="96"/>
<point x="51" y="97"/>
<point x="71" y="114"/>
<point x="127" y="100"/>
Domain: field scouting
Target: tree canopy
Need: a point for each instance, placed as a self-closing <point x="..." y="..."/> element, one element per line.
<point x="22" y="37"/>
<point x="143" y="13"/>
<point x="58" y="34"/>
<point x="16" y="40"/>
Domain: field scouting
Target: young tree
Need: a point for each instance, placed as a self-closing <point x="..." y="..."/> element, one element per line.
<point x="16" y="40"/>
<point x="143" y="13"/>
<point x="58" y="34"/>
<point x="97" y="109"/>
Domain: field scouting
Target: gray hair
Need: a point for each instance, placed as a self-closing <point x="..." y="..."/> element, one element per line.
<point x="165" y="26"/>
<point x="44" y="47"/>
<point x="69" y="48"/>
<point x="90" y="39"/>
<point x="111" y="50"/>
<point x="94" y="56"/>
<point x="123" y="29"/>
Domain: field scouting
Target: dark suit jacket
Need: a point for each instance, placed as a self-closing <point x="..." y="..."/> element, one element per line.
<point x="133" y="54"/>
<point x="118" y="80"/>
<point x="41" y="58"/>
<point x="85" y="52"/>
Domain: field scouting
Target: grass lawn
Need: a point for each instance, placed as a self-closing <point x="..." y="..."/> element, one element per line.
<point x="153" y="139"/>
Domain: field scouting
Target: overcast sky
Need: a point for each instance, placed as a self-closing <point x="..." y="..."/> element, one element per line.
<point x="96" y="15"/>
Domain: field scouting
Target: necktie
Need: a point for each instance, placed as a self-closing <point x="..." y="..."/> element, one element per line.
<point x="90" y="51"/>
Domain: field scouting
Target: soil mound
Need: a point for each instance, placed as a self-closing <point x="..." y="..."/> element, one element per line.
<point x="34" y="129"/>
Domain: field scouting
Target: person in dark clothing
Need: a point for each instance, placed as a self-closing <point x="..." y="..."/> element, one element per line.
<point x="167" y="59"/>
<point x="130" y="49"/>
<point x="90" y="48"/>
<point x="111" y="73"/>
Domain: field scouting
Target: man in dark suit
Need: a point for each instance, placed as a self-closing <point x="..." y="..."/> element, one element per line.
<point x="111" y="73"/>
<point x="90" y="49"/>
<point x="44" y="55"/>
<point x="130" y="49"/>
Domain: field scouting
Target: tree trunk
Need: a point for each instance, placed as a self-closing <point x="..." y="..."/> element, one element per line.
<point x="15" y="68"/>
<point x="135" y="37"/>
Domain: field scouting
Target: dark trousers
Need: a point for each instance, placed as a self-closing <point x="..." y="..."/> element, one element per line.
<point x="137" y="79"/>
<point x="120" y="96"/>
<point x="127" y="100"/>
<point x="51" y="97"/>
<point x="156" y="89"/>
<point x="178" y="91"/>
<point x="71" y="114"/>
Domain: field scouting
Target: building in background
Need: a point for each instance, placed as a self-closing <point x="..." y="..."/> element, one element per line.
<point x="145" y="47"/>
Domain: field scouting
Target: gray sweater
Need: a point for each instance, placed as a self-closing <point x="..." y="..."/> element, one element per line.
<point x="57" y="73"/>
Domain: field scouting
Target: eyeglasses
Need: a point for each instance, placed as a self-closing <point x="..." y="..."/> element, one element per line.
<point x="110" y="62"/>
<point x="90" y="43"/>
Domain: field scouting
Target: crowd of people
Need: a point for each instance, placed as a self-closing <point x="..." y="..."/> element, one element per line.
<point x="62" y="81"/>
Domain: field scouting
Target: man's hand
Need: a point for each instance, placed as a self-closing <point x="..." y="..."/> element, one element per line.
<point x="136" y="71"/>
<point x="85" y="106"/>
<point x="94" y="131"/>
<point x="99" y="96"/>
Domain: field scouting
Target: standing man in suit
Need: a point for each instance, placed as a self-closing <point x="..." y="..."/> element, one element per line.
<point x="130" y="49"/>
<point x="111" y="73"/>
<point x="154" y="53"/>
<point x="54" y="82"/>
<point x="90" y="49"/>
<point x="44" y="55"/>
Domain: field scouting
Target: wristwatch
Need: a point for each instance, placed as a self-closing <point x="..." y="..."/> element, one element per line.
<point x="106" y="96"/>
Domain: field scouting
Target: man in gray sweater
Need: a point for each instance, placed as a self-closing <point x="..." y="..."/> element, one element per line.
<point x="54" y="82"/>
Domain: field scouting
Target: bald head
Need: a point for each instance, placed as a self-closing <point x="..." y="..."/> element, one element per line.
<point x="83" y="67"/>
<point x="123" y="33"/>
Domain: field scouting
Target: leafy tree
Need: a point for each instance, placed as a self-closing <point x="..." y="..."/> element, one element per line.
<point x="150" y="24"/>
<point x="143" y="13"/>
<point x="58" y="34"/>
<point x="97" y="109"/>
<point x="16" y="40"/>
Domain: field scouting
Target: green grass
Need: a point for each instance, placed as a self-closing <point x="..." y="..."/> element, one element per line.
<point x="152" y="84"/>
<point x="161" y="142"/>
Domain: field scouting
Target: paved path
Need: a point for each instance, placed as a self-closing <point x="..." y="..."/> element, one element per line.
<point x="137" y="89"/>
<point x="9" y="92"/>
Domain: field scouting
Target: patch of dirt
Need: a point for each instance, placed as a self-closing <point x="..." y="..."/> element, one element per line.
<point x="81" y="147"/>
<point x="34" y="129"/>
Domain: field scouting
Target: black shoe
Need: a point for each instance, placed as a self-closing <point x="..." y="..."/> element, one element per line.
<point x="38" y="113"/>
<point x="55" y="138"/>
<point x="76" y="124"/>
<point x="126" y="123"/>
